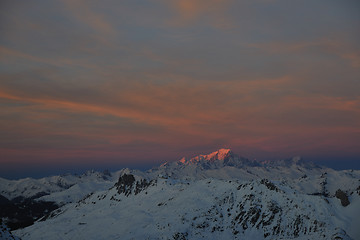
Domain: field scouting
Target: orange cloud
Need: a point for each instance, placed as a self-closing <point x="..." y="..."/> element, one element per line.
<point x="354" y="58"/>
<point x="149" y="117"/>
<point x="191" y="10"/>
<point x="181" y="107"/>
<point x="190" y="108"/>
<point x="265" y="113"/>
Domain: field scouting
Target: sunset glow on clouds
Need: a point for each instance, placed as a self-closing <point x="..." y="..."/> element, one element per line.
<point x="141" y="82"/>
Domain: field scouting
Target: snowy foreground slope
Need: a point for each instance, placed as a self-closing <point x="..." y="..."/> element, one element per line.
<point x="219" y="195"/>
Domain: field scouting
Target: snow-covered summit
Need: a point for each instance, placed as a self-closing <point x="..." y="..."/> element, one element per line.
<point x="223" y="155"/>
<point x="225" y="164"/>
<point x="220" y="155"/>
<point x="215" y="160"/>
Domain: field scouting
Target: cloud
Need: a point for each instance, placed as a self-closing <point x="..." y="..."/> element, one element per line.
<point x="354" y="58"/>
<point x="190" y="11"/>
<point x="87" y="12"/>
<point x="83" y="78"/>
<point x="337" y="47"/>
<point x="12" y="57"/>
<point x="261" y="114"/>
<point x="195" y="108"/>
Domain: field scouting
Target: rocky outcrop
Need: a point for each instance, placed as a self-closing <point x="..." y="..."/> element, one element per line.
<point x="269" y="185"/>
<point x="343" y="197"/>
<point x="127" y="184"/>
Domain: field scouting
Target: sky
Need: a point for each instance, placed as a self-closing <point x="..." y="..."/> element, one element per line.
<point x="134" y="83"/>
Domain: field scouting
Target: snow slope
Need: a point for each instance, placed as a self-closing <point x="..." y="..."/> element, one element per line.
<point x="202" y="209"/>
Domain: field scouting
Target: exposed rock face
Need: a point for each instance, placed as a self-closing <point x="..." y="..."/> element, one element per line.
<point x="127" y="184"/>
<point x="343" y="197"/>
<point x="141" y="185"/>
<point x="269" y="185"/>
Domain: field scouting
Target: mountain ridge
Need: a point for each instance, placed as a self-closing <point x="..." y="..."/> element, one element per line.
<point x="267" y="198"/>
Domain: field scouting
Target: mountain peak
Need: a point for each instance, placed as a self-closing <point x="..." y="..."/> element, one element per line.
<point x="220" y="154"/>
<point x="220" y="158"/>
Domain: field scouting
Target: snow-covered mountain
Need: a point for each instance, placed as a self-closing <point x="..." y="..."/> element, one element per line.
<point x="210" y="209"/>
<point x="24" y="201"/>
<point x="219" y="195"/>
<point x="299" y="174"/>
<point x="37" y="188"/>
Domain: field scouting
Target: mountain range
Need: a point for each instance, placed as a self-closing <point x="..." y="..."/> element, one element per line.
<point x="218" y="195"/>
